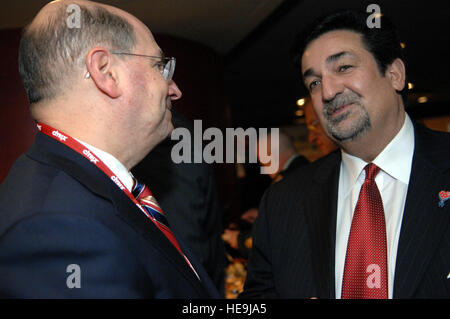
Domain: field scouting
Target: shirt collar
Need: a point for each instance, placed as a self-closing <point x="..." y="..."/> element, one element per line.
<point x="351" y="167"/>
<point x="113" y="164"/>
<point x="395" y="159"/>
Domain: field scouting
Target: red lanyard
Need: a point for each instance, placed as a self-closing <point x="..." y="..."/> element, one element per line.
<point x="84" y="151"/>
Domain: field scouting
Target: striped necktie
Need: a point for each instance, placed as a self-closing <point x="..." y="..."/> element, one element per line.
<point x="148" y="202"/>
<point x="145" y="197"/>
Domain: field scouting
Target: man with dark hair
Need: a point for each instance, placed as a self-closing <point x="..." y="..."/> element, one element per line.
<point x="74" y="223"/>
<point x="371" y="221"/>
<point x="383" y="43"/>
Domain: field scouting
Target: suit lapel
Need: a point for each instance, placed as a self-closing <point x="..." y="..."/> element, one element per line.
<point x="47" y="150"/>
<point x="321" y="216"/>
<point x="129" y="212"/>
<point x="424" y="222"/>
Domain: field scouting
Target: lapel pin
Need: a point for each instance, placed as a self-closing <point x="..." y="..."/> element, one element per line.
<point x="443" y="196"/>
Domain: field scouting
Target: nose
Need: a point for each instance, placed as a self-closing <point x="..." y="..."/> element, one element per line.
<point x="174" y="91"/>
<point x="331" y="86"/>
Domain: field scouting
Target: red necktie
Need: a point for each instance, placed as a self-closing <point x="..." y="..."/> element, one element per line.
<point x="365" y="272"/>
<point x="145" y="197"/>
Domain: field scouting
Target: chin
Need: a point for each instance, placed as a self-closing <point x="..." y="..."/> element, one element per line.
<point x="168" y="130"/>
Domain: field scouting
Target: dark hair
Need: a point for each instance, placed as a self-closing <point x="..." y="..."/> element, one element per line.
<point x="49" y="54"/>
<point x="383" y="42"/>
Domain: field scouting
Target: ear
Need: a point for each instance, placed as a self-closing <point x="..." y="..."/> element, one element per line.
<point x="397" y="74"/>
<point x="102" y="70"/>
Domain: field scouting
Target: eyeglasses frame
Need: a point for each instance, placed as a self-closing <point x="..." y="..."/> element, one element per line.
<point x="169" y="63"/>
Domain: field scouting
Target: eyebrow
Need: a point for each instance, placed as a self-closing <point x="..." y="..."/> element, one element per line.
<point x="309" y="72"/>
<point x="330" y="59"/>
<point x="337" y="56"/>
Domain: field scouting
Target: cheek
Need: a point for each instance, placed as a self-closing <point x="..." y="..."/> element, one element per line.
<point x="149" y="92"/>
<point x="373" y="93"/>
<point x="358" y="83"/>
<point x="157" y="90"/>
<point x="369" y="84"/>
<point x="318" y="106"/>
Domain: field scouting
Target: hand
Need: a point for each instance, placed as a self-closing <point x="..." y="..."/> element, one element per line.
<point x="250" y="215"/>
<point x="231" y="237"/>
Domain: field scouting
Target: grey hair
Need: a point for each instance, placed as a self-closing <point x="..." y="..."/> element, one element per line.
<point x="51" y="54"/>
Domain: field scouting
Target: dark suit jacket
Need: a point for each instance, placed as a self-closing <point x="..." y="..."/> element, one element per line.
<point x="245" y="234"/>
<point x="187" y="194"/>
<point x="293" y="252"/>
<point x="58" y="209"/>
<point x="297" y="162"/>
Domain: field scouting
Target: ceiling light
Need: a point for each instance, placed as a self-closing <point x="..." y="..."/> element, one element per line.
<point x="422" y="99"/>
<point x="410" y="86"/>
<point x="301" y="102"/>
<point x="403" y="45"/>
<point x="299" y="113"/>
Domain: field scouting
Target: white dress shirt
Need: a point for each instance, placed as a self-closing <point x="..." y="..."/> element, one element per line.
<point x="395" y="163"/>
<point x="113" y="164"/>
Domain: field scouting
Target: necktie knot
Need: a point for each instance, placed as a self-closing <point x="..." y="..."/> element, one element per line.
<point x="137" y="188"/>
<point x="371" y="171"/>
<point x="145" y="197"/>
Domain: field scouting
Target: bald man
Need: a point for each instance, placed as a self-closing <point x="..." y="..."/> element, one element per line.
<point x="287" y="162"/>
<point x="74" y="223"/>
<point x="288" y="158"/>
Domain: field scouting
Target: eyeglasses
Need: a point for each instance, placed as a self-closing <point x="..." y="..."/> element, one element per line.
<point x="166" y="66"/>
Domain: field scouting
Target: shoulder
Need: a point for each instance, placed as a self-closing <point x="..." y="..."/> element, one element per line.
<point x="302" y="176"/>
<point x="423" y="133"/>
<point x="434" y="146"/>
<point x="33" y="188"/>
<point x="298" y="187"/>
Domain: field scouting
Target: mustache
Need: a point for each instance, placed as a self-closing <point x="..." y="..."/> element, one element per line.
<point x="339" y="100"/>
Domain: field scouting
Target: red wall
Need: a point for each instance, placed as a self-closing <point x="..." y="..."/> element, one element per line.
<point x="17" y="129"/>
